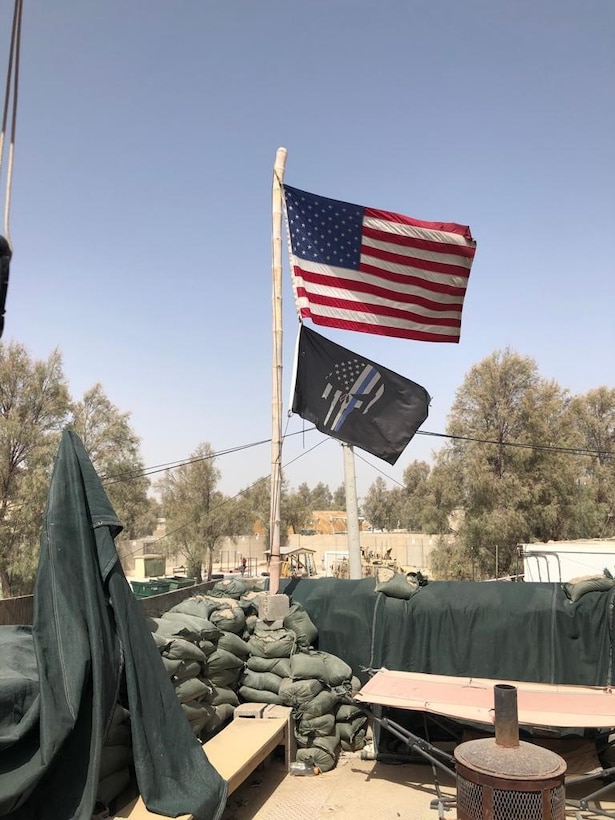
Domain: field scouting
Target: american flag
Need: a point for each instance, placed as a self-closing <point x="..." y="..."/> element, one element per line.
<point x="373" y="271"/>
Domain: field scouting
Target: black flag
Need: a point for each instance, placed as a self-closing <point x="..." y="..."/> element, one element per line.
<point x="5" y="259"/>
<point x="354" y="399"/>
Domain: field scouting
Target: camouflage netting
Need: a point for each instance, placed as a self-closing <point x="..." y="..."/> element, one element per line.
<point x="218" y="654"/>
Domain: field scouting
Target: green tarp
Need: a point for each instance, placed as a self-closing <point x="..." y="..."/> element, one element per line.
<point x="92" y="647"/>
<point x="510" y="631"/>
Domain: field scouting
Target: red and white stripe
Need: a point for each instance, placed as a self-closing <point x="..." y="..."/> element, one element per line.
<point x="411" y="281"/>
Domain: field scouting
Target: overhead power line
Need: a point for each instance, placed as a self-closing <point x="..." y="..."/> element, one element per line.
<point x="172" y="465"/>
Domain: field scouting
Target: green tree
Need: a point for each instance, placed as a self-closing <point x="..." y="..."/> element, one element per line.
<point x="378" y="505"/>
<point x="413" y="495"/>
<point x="257" y="503"/>
<point x="34" y="403"/>
<point x="594" y="418"/>
<point x="339" y="498"/>
<point x="298" y="508"/>
<point x="198" y="515"/>
<point x="114" y="450"/>
<point x="506" y="494"/>
<point x="321" y="498"/>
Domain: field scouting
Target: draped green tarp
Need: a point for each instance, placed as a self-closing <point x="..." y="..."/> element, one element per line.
<point x="92" y="646"/>
<point x="510" y="631"/>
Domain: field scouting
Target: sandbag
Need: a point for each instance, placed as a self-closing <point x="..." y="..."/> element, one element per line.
<point x="299" y="692"/>
<point x="225" y="678"/>
<point x="399" y="586"/>
<point x="199" y="605"/>
<point x="301" y="624"/>
<point x="279" y="666"/>
<point x="223" y="714"/>
<point x="171" y="667"/>
<point x="207" y="647"/>
<point x="229" y="619"/>
<point x="181" y="649"/>
<point x="160" y="640"/>
<point x="190" y="669"/>
<point x="327" y="668"/>
<point x="356" y="744"/>
<point x="272" y="643"/>
<point x="347" y="730"/>
<point x="348" y="711"/>
<point x="321" y="726"/>
<point x="321" y="704"/>
<point x="199" y="715"/>
<point x="223" y="694"/>
<point x="230" y="587"/>
<point x="581" y="588"/>
<point x="249" y="602"/>
<point x="262" y="680"/>
<point x="251" y="621"/>
<point x="191" y="626"/>
<point x="249" y="695"/>
<point x="233" y="643"/>
<point x="193" y="689"/>
<point x="317" y="758"/>
<point x="222" y="659"/>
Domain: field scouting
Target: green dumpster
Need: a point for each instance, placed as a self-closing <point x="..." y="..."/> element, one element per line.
<point x="143" y="589"/>
<point x="179" y="582"/>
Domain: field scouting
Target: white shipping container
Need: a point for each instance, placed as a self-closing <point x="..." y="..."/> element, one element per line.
<point x="563" y="561"/>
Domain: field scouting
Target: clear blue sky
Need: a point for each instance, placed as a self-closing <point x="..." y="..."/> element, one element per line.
<point x="141" y="216"/>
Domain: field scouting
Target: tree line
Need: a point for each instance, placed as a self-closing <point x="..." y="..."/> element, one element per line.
<point x="525" y="461"/>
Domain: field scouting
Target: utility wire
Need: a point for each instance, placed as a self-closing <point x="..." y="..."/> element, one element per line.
<point x="146" y="471"/>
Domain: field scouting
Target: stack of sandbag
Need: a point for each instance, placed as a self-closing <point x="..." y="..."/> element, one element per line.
<point x="185" y="642"/>
<point x="351" y="724"/>
<point x="271" y="646"/>
<point x="116" y="758"/>
<point x="283" y="668"/>
<point x="216" y="625"/>
<point x="318" y="683"/>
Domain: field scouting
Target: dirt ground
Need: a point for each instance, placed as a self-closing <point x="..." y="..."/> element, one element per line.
<point x="365" y="790"/>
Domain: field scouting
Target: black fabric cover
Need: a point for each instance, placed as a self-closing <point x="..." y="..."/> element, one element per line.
<point x="86" y="622"/>
<point x="512" y="631"/>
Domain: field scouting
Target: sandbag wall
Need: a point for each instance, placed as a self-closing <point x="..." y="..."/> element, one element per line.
<point x="218" y="654"/>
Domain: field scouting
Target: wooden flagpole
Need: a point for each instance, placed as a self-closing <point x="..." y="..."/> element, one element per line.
<point x="276" y="403"/>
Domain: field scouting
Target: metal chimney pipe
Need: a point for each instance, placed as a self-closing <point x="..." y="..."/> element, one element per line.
<point x="506" y="718"/>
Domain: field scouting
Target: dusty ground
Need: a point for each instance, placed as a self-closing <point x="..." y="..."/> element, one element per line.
<point x="360" y="790"/>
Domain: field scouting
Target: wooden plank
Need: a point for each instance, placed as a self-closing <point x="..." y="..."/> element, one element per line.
<point x="239" y="748"/>
<point x="234" y="752"/>
<point x="472" y="699"/>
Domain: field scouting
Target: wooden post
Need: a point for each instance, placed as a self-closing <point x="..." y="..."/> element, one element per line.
<point x="276" y="403"/>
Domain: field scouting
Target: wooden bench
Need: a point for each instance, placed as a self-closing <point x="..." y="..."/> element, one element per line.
<point x="257" y="729"/>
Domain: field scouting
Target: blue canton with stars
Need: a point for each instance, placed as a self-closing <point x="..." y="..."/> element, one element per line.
<point x="324" y="230"/>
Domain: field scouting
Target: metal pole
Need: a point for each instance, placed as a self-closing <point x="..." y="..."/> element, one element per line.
<point x="352" y="514"/>
<point x="506" y="716"/>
